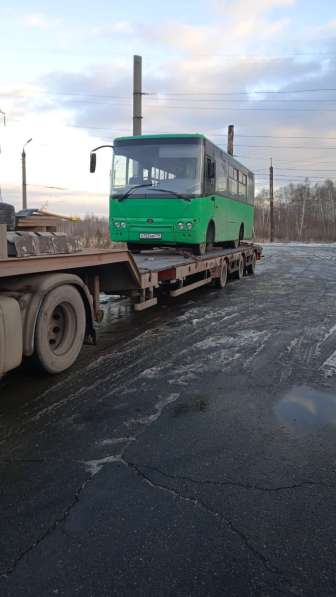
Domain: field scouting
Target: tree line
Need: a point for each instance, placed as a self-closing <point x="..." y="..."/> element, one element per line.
<point x="302" y="212"/>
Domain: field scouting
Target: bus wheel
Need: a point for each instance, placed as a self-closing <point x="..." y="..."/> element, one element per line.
<point x="203" y="248"/>
<point x="222" y="280"/>
<point x="199" y="249"/>
<point x="235" y="243"/>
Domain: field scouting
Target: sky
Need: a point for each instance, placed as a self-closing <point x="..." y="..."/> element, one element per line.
<point x="266" y="66"/>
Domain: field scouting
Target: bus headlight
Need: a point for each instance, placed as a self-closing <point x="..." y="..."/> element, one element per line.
<point x="117" y="224"/>
<point x="189" y="226"/>
<point x="180" y="226"/>
<point x="122" y="224"/>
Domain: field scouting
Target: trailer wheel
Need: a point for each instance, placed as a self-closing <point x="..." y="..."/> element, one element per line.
<point x="241" y="268"/>
<point x="60" y="329"/>
<point x="251" y="268"/>
<point x="222" y="280"/>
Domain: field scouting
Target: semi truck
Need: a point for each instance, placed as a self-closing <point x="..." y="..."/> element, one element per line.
<point x="50" y="295"/>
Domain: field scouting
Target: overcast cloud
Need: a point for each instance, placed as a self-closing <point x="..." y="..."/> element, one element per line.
<point x="82" y="95"/>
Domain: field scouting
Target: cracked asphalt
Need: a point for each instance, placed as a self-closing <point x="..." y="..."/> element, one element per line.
<point x="191" y="453"/>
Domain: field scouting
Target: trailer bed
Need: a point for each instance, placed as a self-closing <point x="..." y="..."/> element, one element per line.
<point x="140" y="276"/>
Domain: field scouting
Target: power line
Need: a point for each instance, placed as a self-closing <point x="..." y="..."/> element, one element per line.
<point x="162" y="95"/>
<point x="251" y="92"/>
<point x="319" y="147"/>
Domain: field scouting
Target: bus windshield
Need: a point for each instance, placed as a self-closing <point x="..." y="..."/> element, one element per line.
<point x="167" y="163"/>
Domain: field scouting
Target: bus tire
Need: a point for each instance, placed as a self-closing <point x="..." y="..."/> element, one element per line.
<point x="203" y="248"/>
<point x="60" y="329"/>
<point x="221" y="281"/>
<point x="236" y="243"/>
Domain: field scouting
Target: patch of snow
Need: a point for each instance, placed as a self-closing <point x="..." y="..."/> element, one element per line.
<point x="116" y="440"/>
<point x="151" y="373"/>
<point x="94" y="466"/>
<point x="329" y="366"/>
<point x="159" y="407"/>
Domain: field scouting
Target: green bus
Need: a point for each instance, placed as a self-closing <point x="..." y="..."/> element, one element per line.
<point x="178" y="190"/>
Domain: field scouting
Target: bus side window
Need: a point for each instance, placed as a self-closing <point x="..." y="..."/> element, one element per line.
<point x="221" y="175"/>
<point x="210" y="175"/>
<point x="242" y="186"/>
<point x="250" y="189"/>
<point x="233" y="180"/>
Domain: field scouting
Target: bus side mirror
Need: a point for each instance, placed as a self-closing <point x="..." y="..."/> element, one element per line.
<point x="93" y="161"/>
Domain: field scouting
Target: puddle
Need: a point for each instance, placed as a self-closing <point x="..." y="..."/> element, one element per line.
<point x="304" y="408"/>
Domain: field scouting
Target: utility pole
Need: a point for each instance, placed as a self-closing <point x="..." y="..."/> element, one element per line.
<point x="137" y="95"/>
<point x="271" y="197"/>
<point x="230" y="139"/>
<point x="24" y="180"/>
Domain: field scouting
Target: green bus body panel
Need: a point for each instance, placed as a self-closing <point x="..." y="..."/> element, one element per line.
<point x="165" y="213"/>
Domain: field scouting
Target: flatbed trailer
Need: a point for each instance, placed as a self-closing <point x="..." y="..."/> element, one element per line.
<point x="50" y="303"/>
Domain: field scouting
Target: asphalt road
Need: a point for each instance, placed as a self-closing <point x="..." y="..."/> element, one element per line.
<point x="192" y="453"/>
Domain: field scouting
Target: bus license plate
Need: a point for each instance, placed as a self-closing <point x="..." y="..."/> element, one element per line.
<point x="150" y="235"/>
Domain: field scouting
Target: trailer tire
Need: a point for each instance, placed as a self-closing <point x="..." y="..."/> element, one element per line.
<point x="7" y="215"/>
<point x="251" y="268"/>
<point x="221" y="281"/>
<point x="241" y="268"/>
<point x="60" y="329"/>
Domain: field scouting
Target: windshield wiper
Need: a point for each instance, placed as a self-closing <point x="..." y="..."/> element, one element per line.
<point x="130" y="191"/>
<point x="149" y="184"/>
<point x="179" y="195"/>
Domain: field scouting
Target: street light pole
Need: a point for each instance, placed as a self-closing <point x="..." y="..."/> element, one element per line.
<point x="24" y="179"/>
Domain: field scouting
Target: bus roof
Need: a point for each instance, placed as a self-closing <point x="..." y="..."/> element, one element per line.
<point x="185" y="136"/>
<point x="163" y="136"/>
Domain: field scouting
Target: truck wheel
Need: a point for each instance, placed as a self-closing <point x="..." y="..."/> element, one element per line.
<point x="222" y="280"/>
<point x="60" y="329"/>
<point x="252" y="266"/>
<point x="7" y="215"/>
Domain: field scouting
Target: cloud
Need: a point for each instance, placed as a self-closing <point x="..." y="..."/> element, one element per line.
<point x="245" y="8"/>
<point x="38" y="21"/>
<point x="114" y="28"/>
